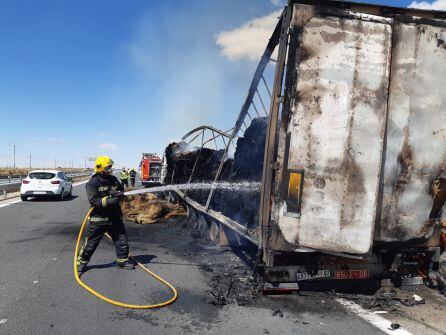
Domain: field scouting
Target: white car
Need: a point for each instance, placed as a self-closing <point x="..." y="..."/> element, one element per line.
<point x="46" y="183"/>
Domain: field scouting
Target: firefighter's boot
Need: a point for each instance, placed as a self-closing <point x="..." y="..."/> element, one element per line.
<point x="125" y="265"/>
<point x="81" y="266"/>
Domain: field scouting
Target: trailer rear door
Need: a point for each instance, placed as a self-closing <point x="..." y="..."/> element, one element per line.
<point x="331" y="140"/>
<point x="416" y="134"/>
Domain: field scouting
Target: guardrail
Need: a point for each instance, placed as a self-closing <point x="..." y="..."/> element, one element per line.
<point x="11" y="183"/>
<point x="10" y="180"/>
<point x="16" y="179"/>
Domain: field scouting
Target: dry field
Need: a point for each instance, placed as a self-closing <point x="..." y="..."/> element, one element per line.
<point x="24" y="172"/>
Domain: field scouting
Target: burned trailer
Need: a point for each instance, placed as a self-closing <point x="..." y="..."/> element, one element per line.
<point x="353" y="182"/>
<point x="196" y="165"/>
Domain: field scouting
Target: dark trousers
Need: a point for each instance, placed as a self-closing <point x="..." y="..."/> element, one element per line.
<point x="132" y="181"/>
<point x="96" y="231"/>
<point x="125" y="182"/>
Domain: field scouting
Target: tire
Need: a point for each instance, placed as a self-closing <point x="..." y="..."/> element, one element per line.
<point x="71" y="192"/>
<point x="23" y="197"/>
<point x="62" y="195"/>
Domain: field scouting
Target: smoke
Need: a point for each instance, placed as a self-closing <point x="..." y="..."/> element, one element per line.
<point x="187" y="81"/>
<point x="250" y="39"/>
<point x="231" y="152"/>
<point x="278" y="3"/>
<point x="436" y="5"/>
<point x="183" y="147"/>
<point x="179" y="67"/>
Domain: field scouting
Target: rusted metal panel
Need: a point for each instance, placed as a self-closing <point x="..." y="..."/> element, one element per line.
<point x="416" y="135"/>
<point x="334" y="133"/>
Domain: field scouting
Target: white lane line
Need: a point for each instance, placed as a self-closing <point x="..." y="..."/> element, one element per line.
<point x="9" y="203"/>
<point x="14" y="201"/>
<point x="80" y="183"/>
<point x="375" y="319"/>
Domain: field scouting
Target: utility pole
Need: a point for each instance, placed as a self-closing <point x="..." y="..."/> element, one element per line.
<point x="55" y="165"/>
<point x="30" y="161"/>
<point x="14" y="145"/>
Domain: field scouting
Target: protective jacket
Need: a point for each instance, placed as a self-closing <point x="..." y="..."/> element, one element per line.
<point x="124" y="175"/>
<point x="132" y="173"/>
<point x="101" y="189"/>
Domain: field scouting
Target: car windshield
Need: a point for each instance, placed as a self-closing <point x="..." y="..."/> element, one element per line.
<point x="41" y="175"/>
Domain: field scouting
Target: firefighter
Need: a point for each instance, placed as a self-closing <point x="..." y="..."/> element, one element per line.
<point x="104" y="193"/>
<point x="132" y="174"/>
<point x="124" y="176"/>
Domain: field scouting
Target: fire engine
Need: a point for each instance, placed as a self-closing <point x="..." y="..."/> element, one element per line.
<point x="151" y="168"/>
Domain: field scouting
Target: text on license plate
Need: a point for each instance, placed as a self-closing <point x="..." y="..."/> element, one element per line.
<point x="320" y="274"/>
<point x="352" y="274"/>
<point x="39" y="192"/>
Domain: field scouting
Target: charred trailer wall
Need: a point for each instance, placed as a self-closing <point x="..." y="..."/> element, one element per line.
<point x="360" y="145"/>
<point x="241" y="206"/>
<point x="247" y="165"/>
<point x="181" y="160"/>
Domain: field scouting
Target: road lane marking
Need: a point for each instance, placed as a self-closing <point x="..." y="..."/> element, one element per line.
<point x="375" y="319"/>
<point x="15" y="201"/>
<point x="10" y="203"/>
<point x="80" y="183"/>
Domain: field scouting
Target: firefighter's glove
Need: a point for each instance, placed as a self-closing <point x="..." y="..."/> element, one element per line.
<point x="113" y="202"/>
<point x="110" y="202"/>
<point x="116" y="194"/>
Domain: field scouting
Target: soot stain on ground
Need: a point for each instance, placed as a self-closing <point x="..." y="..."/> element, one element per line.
<point x="37" y="234"/>
<point x="136" y="315"/>
<point x="228" y="282"/>
<point x="24" y="240"/>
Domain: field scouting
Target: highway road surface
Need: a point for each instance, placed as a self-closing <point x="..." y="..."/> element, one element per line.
<point x="40" y="296"/>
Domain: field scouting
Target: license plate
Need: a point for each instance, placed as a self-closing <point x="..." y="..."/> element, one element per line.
<point x="37" y="192"/>
<point x="305" y="275"/>
<point x="352" y="274"/>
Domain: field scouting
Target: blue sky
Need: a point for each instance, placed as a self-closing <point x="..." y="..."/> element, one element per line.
<point x="88" y="77"/>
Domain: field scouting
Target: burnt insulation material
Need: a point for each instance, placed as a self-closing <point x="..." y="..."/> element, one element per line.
<point x="247" y="165"/>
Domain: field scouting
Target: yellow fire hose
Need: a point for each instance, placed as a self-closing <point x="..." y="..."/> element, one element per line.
<point x="111" y="301"/>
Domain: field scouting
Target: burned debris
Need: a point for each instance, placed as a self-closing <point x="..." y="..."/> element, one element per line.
<point x="234" y="287"/>
<point x="386" y="300"/>
<point x="148" y="208"/>
<point x="186" y="164"/>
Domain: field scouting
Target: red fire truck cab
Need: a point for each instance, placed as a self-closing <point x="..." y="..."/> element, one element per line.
<point x="151" y="168"/>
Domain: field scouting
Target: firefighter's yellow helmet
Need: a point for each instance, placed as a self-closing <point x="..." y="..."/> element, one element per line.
<point x="102" y="162"/>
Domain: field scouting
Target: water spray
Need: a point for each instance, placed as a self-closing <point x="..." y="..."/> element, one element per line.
<point x="249" y="187"/>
